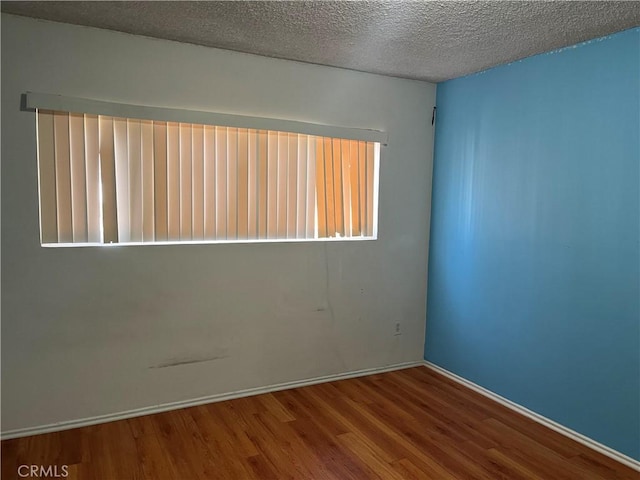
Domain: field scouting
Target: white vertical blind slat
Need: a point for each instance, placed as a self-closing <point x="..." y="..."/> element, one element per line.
<point x="375" y="178"/>
<point x="134" y="146"/>
<point x="93" y="187"/>
<point x="122" y="178"/>
<point x="282" y="184"/>
<point x="78" y="178"/>
<point x="311" y="188"/>
<point x="108" y="180"/>
<point x="329" y="187"/>
<point x="321" y="189"/>
<point x="47" y="178"/>
<point x="292" y="185"/>
<point x="63" y="177"/>
<point x="148" y="176"/>
<point x="370" y="164"/>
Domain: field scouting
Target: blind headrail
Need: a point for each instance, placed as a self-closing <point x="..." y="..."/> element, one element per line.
<point x="45" y="101"/>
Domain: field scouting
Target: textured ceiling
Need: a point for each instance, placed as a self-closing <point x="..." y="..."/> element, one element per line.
<point x="429" y="40"/>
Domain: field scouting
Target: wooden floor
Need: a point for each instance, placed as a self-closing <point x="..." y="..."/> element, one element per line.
<point x="407" y="424"/>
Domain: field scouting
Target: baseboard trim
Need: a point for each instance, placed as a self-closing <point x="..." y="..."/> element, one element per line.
<point x="578" y="437"/>
<point x="165" y="407"/>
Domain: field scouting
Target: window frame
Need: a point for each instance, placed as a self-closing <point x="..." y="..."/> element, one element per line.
<point x="37" y="101"/>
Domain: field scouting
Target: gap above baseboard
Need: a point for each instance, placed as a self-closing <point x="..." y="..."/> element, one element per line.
<point x="547" y="422"/>
<point x="137" y="412"/>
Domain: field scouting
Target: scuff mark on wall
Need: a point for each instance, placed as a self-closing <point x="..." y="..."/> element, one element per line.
<point x="176" y="362"/>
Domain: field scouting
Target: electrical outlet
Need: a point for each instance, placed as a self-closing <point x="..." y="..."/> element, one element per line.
<point x="398" y="329"/>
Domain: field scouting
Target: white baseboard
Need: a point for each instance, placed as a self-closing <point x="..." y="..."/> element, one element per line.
<point x="69" y="424"/>
<point x="578" y="437"/>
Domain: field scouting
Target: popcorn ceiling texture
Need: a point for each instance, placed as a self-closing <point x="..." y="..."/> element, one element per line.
<point x="431" y="40"/>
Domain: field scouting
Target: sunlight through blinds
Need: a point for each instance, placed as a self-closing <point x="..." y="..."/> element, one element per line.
<point x="106" y="179"/>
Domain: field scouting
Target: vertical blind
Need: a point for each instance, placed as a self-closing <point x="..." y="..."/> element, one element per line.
<point x="107" y="180"/>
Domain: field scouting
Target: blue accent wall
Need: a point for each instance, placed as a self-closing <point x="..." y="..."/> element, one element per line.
<point x="534" y="261"/>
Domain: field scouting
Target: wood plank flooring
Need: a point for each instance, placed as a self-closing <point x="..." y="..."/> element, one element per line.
<point x="407" y="424"/>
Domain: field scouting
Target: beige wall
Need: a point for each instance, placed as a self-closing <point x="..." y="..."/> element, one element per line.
<point x="88" y="331"/>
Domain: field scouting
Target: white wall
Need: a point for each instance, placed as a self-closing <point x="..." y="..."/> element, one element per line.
<point x="85" y="331"/>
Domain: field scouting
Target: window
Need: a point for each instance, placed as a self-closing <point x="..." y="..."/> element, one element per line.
<point x="111" y="180"/>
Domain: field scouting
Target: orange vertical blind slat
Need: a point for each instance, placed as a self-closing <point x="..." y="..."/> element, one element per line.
<point x="186" y="183"/>
<point x="174" y="199"/>
<point x="354" y="187"/>
<point x="232" y="183"/>
<point x="272" y="184"/>
<point x="337" y="187"/>
<point x="243" y="183"/>
<point x="197" y="181"/>
<point x="263" y="179"/>
<point x="209" y="167"/>
<point x="160" y="175"/>
<point x="221" y="183"/>
<point x="321" y="190"/>
<point x="252" y="184"/>
<point x="345" y="157"/>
